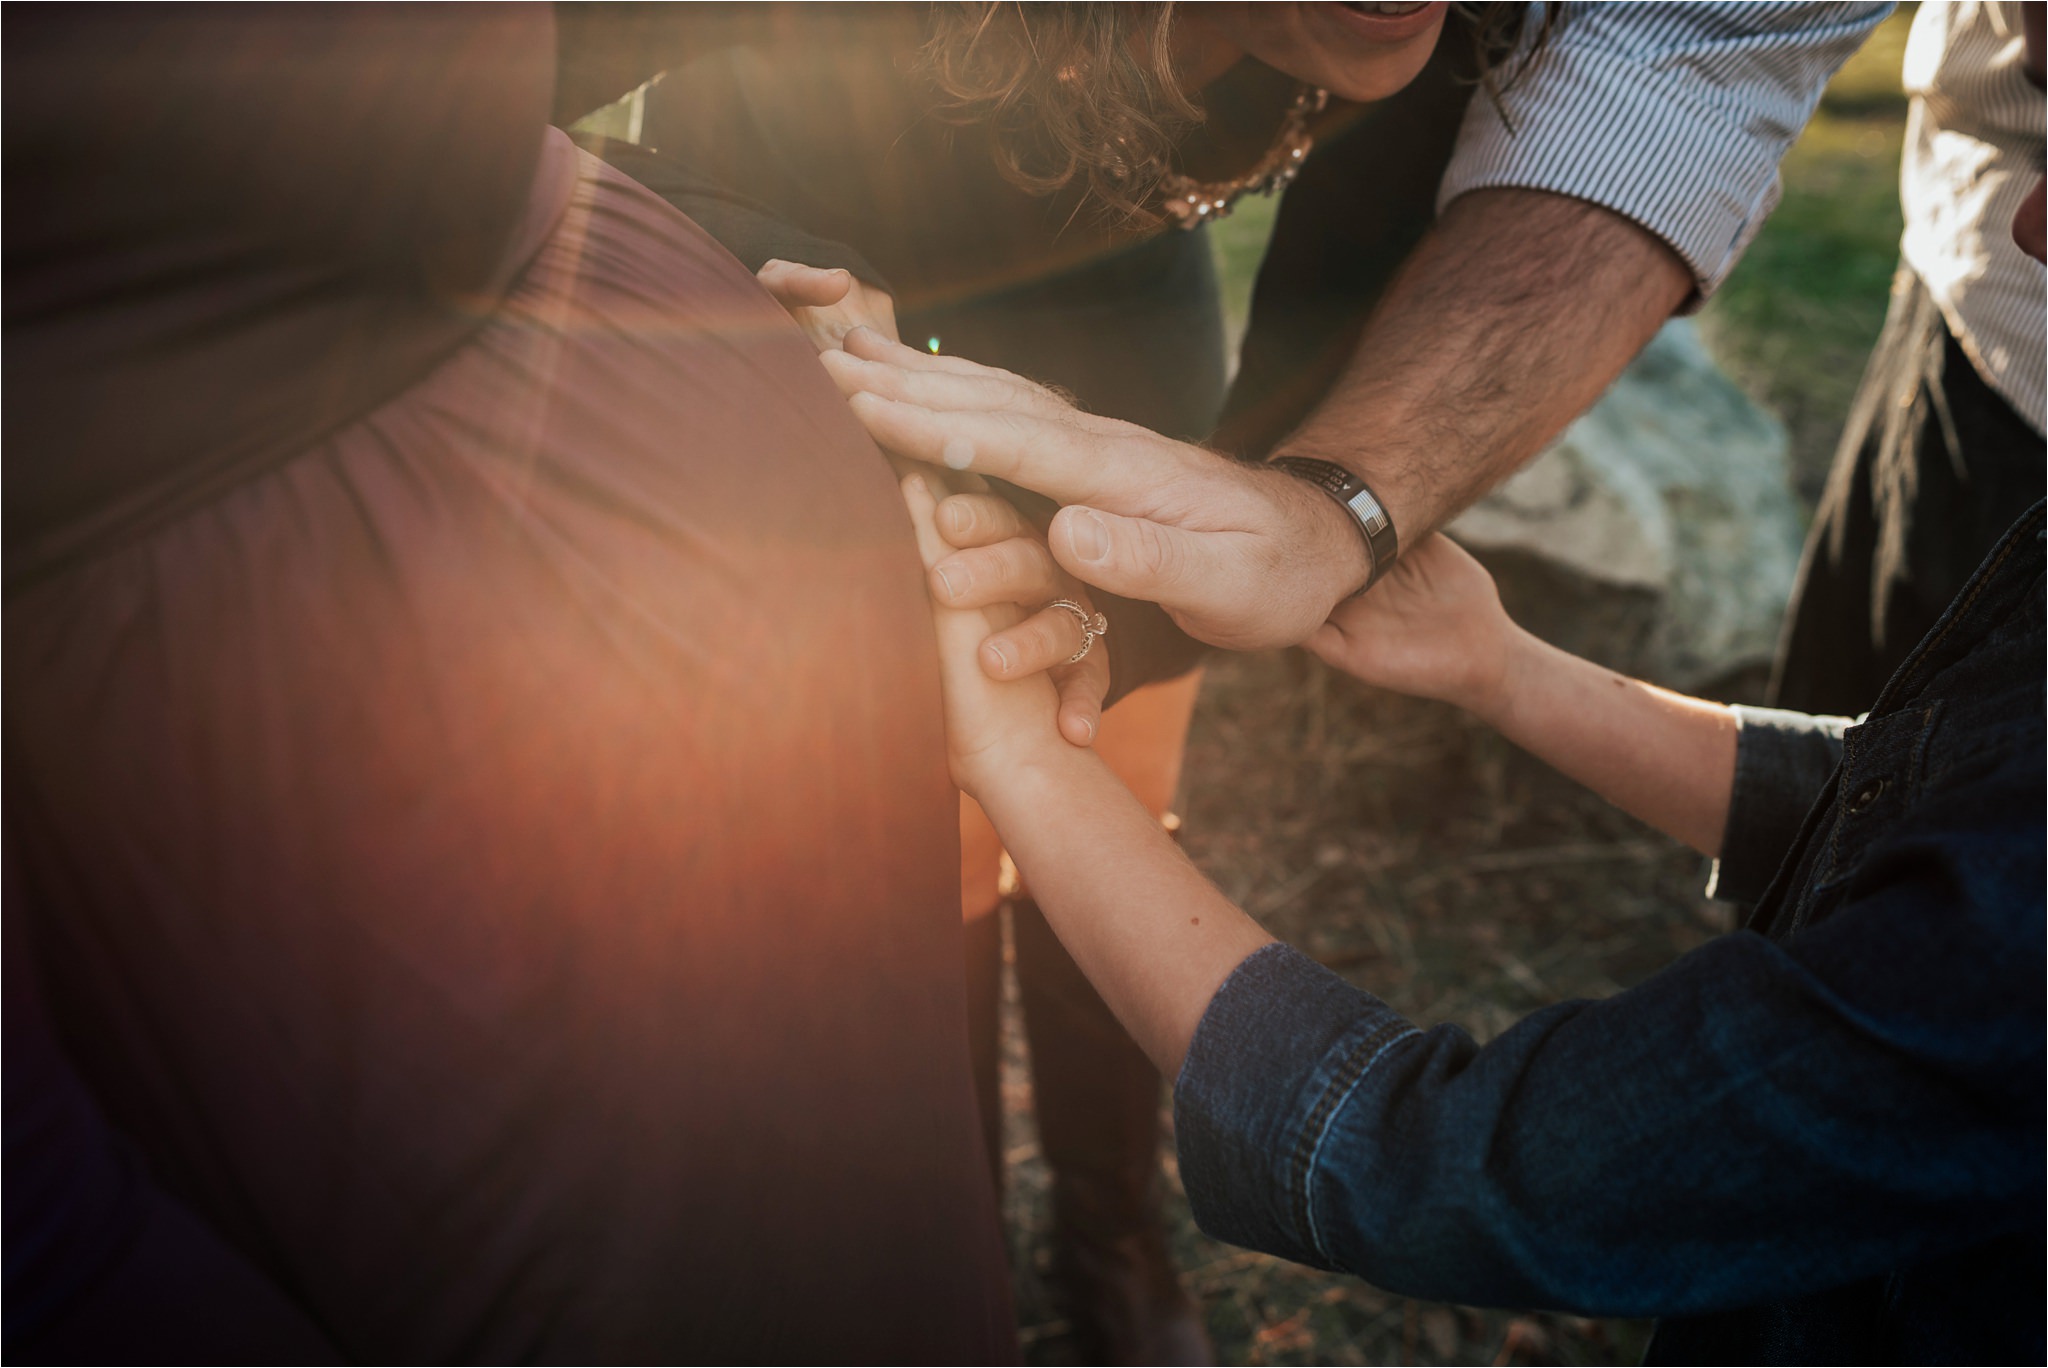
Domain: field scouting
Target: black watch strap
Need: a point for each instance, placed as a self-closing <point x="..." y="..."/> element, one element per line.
<point x="1375" y="524"/>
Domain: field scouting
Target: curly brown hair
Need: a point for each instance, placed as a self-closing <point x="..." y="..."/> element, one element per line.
<point x="1087" y="92"/>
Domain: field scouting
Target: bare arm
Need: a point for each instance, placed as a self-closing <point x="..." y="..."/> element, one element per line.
<point x="1661" y="757"/>
<point x="1511" y="318"/>
<point x="1155" y="937"/>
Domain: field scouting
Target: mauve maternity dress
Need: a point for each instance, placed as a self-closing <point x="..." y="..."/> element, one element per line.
<point x="481" y="867"/>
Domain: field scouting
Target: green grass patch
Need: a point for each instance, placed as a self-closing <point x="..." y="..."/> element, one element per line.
<point x="1795" y="321"/>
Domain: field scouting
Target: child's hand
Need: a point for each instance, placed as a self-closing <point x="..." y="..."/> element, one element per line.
<point x="991" y="726"/>
<point x="1433" y="627"/>
<point x="828" y="303"/>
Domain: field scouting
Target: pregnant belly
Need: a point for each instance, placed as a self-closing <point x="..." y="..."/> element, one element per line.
<point x="502" y="858"/>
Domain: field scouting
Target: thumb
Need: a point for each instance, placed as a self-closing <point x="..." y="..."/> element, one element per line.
<point x="1133" y="557"/>
<point x="798" y="286"/>
<point x="1335" y="647"/>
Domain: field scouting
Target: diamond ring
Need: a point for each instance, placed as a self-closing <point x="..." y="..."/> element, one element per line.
<point x="1093" y="625"/>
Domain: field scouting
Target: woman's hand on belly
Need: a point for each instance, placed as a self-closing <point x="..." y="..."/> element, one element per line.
<point x="828" y="304"/>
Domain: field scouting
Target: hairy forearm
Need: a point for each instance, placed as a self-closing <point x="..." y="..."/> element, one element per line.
<point x="1511" y="318"/>
<point x="1662" y="757"/>
<point x="1152" y="934"/>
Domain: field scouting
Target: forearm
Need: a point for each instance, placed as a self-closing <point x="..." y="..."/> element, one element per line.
<point x="1511" y="318"/>
<point x="1662" y="757"/>
<point x="1152" y="934"/>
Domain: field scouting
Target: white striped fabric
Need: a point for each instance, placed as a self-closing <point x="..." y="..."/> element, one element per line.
<point x="1675" y="115"/>
<point x="1974" y="148"/>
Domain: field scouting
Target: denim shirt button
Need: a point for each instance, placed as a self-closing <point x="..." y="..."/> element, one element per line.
<point x="1866" y="795"/>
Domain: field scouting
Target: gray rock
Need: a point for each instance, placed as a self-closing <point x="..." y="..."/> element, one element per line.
<point x="1659" y="534"/>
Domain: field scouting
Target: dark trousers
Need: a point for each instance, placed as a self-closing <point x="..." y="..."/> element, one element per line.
<point x="1932" y="468"/>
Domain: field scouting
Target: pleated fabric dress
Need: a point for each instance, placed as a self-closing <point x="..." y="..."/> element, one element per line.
<point x="478" y="835"/>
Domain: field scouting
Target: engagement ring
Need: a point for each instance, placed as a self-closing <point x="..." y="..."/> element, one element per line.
<point x="1093" y="625"/>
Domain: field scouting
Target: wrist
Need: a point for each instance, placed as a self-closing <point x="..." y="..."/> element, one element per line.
<point x="1514" y="661"/>
<point x="1339" y="556"/>
<point x="1389" y="467"/>
<point x="1001" y="768"/>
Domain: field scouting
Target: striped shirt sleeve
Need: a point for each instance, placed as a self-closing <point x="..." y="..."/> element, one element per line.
<point x="1673" y="115"/>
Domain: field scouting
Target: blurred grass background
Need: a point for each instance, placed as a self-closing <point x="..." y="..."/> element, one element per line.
<point x="1426" y="859"/>
<point x="1795" y="323"/>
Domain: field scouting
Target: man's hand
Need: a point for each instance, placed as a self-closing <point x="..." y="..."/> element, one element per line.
<point x="827" y="304"/>
<point x="1241" y="557"/>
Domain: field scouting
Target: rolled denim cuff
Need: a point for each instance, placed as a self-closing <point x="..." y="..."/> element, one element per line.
<point x="1783" y="761"/>
<point x="1282" y="1046"/>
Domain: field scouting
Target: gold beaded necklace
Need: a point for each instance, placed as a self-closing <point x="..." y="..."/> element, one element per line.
<point x="1190" y="203"/>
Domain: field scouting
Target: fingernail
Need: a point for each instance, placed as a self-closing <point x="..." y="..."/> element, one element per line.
<point x="1091" y="727"/>
<point x="958" y="453"/>
<point x="953" y="591"/>
<point x="995" y="648"/>
<point x="1090" y="537"/>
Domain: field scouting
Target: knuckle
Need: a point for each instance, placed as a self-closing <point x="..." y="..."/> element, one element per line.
<point x="1087" y="680"/>
<point x="1033" y="564"/>
<point x="1010" y="565"/>
<point x="998" y="518"/>
<point x="1019" y="653"/>
<point x="1157" y="556"/>
<point x="1047" y="638"/>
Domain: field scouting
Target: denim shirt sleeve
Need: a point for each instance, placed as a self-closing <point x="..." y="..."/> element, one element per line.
<point x="1759" y="1121"/>
<point x="1783" y="760"/>
<point x="1282" y="1043"/>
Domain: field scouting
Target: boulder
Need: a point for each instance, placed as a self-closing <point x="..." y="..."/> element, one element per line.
<point x="1659" y="534"/>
